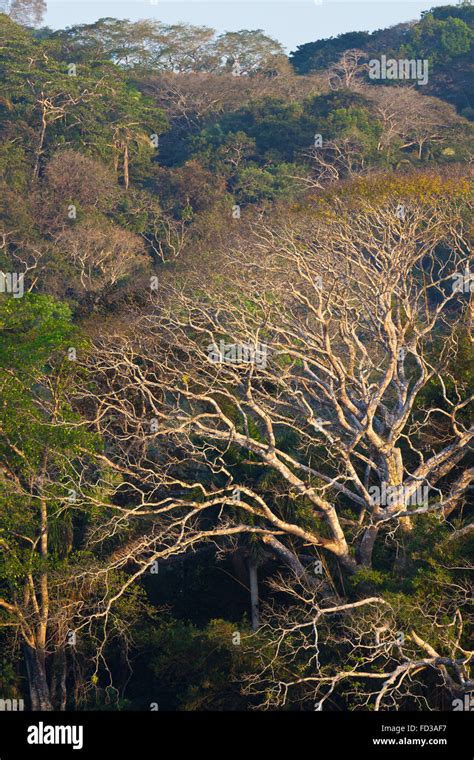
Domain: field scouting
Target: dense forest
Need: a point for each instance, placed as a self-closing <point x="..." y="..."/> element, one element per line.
<point x="236" y="367"/>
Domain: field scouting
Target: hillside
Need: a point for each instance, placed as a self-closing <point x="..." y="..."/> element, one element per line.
<point x="444" y="35"/>
<point x="236" y="368"/>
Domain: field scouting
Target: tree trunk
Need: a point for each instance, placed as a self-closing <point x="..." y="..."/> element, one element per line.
<point x="284" y="554"/>
<point x="406" y="527"/>
<point x="58" y="680"/>
<point x="366" y="547"/>
<point x="395" y="478"/>
<point x="37" y="681"/>
<point x="126" y="175"/>
<point x="254" y="595"/>
<point x="39" y="150"/>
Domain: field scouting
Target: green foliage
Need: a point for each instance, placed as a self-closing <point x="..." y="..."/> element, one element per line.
<point x="314" y="56"/>
<point x="84" y="139"/>
<point x="151" y="46"/>
<point x="444" y="36"/>
<point x="253" y="184"/>
<point x="198" y="669"/>
<point x="49" y="106"/>
<point x="32" y="329"/>
<point x="438" y="40"/>
<point x="35" y="334"/>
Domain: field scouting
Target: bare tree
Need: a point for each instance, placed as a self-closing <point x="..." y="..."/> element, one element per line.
<point x="377" y="665"/>
<point x="347" y="72"/>
<point x="28" y="12"/>
<point x="408" y="120"/>
<point x="100" y="255"/>
<point x="328" y="342"/>
<point x="336" y="160"/>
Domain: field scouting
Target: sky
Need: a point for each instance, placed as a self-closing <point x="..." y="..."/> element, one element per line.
<point x="292" y="22"/>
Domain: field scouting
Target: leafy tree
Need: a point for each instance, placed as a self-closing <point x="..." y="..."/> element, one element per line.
<point x="46" y="510"/>
<point x="52" y="105"/>
<point x="28" y="12"/>
<point x="314" y="56"/>
<point x="248" y="52"/>
<point x="253" y="184"/>
<point x="36" y="475"/>
<point x="178" y="48"/>
<point x="439" y="40"/>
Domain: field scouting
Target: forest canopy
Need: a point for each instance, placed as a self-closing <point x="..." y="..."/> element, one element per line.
<point x="236" y="367"/>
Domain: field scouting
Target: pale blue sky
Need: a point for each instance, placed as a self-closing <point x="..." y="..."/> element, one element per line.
<point x="292" y="22"/>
